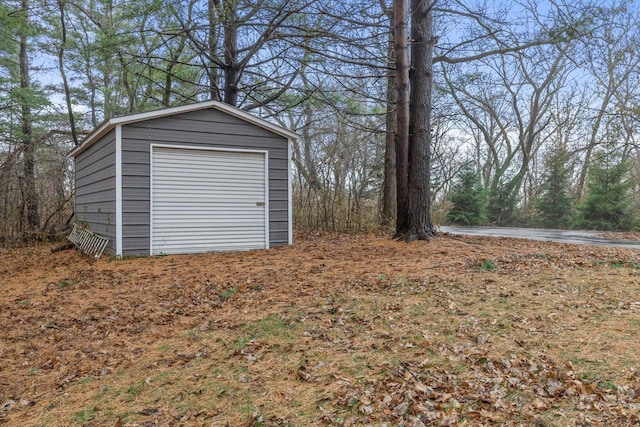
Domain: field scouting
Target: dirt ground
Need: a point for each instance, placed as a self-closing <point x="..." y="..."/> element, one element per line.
<point x="334" y="330"/>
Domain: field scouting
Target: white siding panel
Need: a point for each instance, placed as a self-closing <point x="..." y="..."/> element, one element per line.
<point x="206" y="200"/>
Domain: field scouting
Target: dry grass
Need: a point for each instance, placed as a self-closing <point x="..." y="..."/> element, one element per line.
<point x="336" y="329"/>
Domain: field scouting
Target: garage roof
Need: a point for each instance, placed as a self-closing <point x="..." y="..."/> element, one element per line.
<point x="110" y="124"/>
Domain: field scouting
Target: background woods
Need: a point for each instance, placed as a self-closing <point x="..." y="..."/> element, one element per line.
<point x="534" y="106"/>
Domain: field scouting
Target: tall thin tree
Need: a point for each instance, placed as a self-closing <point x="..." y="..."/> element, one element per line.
<point x="419" y="224"/>
<point x="402" y="114"/>
<point x="413" y="147"/>
<point x="29" y="193"/>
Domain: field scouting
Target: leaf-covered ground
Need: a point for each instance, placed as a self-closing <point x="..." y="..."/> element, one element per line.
<point x="334" y="330"/>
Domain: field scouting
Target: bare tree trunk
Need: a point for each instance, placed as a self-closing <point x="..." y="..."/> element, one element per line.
<point x="128" y="88"/>
<point x="30" y="195"/>
<point x="593" y="141"/>
<point x="168" y="85"/>
<point x="92" y="95"/>
<point x="389" y="186"/>
<point x="63" y="74"/>
<point x="232" y="68"/>
<point x="419" y="224"/>
<point x="212" y="44"/>
<point x="402" y="114"/>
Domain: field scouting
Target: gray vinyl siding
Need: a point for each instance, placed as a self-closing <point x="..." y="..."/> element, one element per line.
<point x="202" y="128"/>
<point x="95" y="192"/>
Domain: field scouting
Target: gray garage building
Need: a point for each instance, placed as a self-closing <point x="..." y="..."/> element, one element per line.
<point x="196" y="178"/>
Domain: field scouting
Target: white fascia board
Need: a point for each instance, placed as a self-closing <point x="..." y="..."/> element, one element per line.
<point x="118" y="190"/>
<point x="102" y="129"/>
<point x="241" y="114"/>
<point x="109" y="124"/>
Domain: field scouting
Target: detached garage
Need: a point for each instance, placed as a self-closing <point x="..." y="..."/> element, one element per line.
<point x="197" y="178"/>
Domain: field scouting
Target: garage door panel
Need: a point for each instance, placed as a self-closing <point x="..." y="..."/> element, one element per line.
<point x="199" y="241"/>
<point x="223" y="215"/>
<point x="198" y="182"/>
<point x="209" y="228"/>
<point x="205" y="200"/>
<point x="199" y="170"/>
<point x="210" y="222"/>
<point x="230" y="166"/>
<point x="239" y="193"/>
<point x="191" y="249"/>
<point x="193" y="235"/>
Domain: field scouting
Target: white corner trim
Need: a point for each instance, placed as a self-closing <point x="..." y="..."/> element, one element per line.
<point x="151" y="147"/>
<point x="290" y="192"/>
<point x="266" y="200"/>
<point x="118" y="190"/>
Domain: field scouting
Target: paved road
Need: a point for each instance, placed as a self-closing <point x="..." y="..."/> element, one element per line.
<point x="563" y="236"/>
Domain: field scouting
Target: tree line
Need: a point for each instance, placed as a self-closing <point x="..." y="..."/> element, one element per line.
<point x="403" y="107"/>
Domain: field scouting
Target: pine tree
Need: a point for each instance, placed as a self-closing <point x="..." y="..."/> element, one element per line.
<point x="607" y="205"/>
<point x="21" y="103"/>
<point x="502" y="206"/>
<point x="468" y="198"/>
<point x="555" y="205"/>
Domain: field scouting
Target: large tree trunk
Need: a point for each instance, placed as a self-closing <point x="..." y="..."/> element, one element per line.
<point x="29" y="194"/>
<point x="389" y="186"/>
<point x="419" y="224"/>
<point x="402" y="114"/>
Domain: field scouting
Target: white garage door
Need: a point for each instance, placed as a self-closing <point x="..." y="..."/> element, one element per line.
<point x="204" y="200"/>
